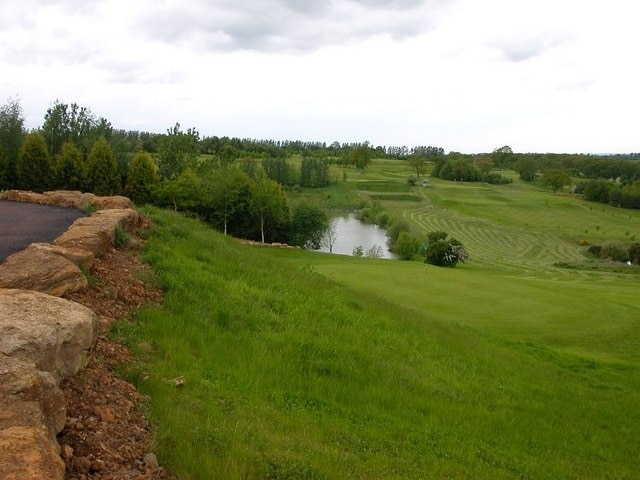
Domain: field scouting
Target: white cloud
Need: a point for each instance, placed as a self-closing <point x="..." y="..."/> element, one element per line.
<point x="463" y="74"/>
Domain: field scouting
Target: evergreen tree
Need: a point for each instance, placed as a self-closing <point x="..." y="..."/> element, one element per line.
<point x="11" y="137"/>
<point x="102" y="169"/>
<point x="34" y="169"/>
<point x="69" y="167"/>
<point x="142" y="178"/>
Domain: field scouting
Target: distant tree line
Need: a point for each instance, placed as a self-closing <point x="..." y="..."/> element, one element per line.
<point x="237" y="185"/>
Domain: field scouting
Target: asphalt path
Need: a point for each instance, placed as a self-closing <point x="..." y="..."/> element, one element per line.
<point x="22" y="224"/>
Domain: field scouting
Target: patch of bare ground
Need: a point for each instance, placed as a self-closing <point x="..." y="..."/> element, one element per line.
<point x="106" y="435"/>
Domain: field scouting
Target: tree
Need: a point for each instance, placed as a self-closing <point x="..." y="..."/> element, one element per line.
<point x="360" y="157"/>
<point x="330" y="236"/>
<point x="308" y="225"/>
<point x="277" y="169"/>
<point x="598" y="190"/>
<point x="485" y="165"/>
<point x="70" y="168"/>
<point x="314" y="172"/>
<point x="102" y="170"/>
<point x="419" y="163"/>
<point x="526" y="168"/>
<point x="34" y="169"/>
<point x="177" y="151"/>
<point x="227" y="194"/>
<point x="142" y="178"/>
<point x="73" y="123"/>
<point x="183" y="192"/>
<point x="556" y="179"/>
<point x="11" y="136"/>
<point x="502" y="156"/>
<point x="443" y="251"/>
<point x="269" y="203"/>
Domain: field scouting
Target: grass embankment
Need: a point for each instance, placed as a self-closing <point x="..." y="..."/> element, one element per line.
<point x="289" y="374"/>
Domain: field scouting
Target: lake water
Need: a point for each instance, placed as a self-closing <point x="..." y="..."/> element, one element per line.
<point x="351" y="232"/>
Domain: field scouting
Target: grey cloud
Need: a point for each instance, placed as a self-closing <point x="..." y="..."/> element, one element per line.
<point x="521" y="48"/>
<point x="292" y="26"/>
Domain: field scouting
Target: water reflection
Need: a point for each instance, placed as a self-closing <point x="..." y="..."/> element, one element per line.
<point x="351" y="232"/>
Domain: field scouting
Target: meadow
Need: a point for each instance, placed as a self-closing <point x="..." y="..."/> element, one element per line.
<point x="303" y="365"/>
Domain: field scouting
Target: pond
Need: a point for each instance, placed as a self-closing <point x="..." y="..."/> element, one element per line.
<point x="351" y="232"/>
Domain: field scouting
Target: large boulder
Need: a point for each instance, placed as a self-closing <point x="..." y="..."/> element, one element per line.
<point x="27" y="454"/>
<point x="54" y="334"/>
<point x="97" y="232"/>
<point x="44" y="340"/>
<point x="43" y="270"/>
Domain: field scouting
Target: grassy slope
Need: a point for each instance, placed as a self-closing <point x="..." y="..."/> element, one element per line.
<point x="397" y="370"/>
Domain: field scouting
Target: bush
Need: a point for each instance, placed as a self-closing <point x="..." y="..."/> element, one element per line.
<point x="398" y="226"/>
<point x="374" y="252"/>
<point x="615" y="251"/>
<point x="495" y="178"/>
<point x="595" y="250"/>
<point x="634" y="253"/>
<point x="444" y="252"/>
<point x="411" y="180"/>
<point x="406" y="246"/>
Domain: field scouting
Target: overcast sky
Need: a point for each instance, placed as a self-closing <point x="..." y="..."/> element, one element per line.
<point x="465" y="75"/>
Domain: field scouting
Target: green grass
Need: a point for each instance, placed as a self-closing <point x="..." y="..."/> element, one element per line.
<point x="306" y="365"/>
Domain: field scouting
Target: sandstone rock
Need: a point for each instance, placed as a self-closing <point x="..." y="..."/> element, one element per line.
<point x="62" y="198"/>
<point x="113" y="202"/>
<point x="68" y="198"/>
<point x="52" y="333"/>
<point x="42" y="270"/>
<point x="97" y="232"/>
<point x="22" y="196"/>
<point x="105" y="414"/>
<point x="81" y="258"/>
<point x="27" y="454"/>
<point x="150" y="460"/>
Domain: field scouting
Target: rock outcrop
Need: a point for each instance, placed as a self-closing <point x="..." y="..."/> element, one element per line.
<point x="43" y="338"/>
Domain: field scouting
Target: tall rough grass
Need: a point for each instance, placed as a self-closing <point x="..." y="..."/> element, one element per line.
<point x="290" y="375"/>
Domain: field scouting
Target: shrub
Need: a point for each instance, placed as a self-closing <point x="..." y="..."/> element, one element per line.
<point x="398" y="226"/>
<point x="374" y="252"/>
<point x="595" y="250"/>
<point x="406" y="246"/>
<point x="444" y="252"/>
<point x="634" y="253"/>
<point x="411" y="180"/>
<point x="495" y="178"/>
<point x="615" y="251"/>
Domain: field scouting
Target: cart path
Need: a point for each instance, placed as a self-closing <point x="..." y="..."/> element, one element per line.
<point x="22" y="224"/>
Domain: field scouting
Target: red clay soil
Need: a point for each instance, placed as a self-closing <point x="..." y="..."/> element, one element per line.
<point x="24" y="223"/>
<point x="106" y="435"/>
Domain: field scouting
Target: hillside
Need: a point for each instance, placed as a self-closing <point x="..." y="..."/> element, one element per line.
<point x="297" y="364"/>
